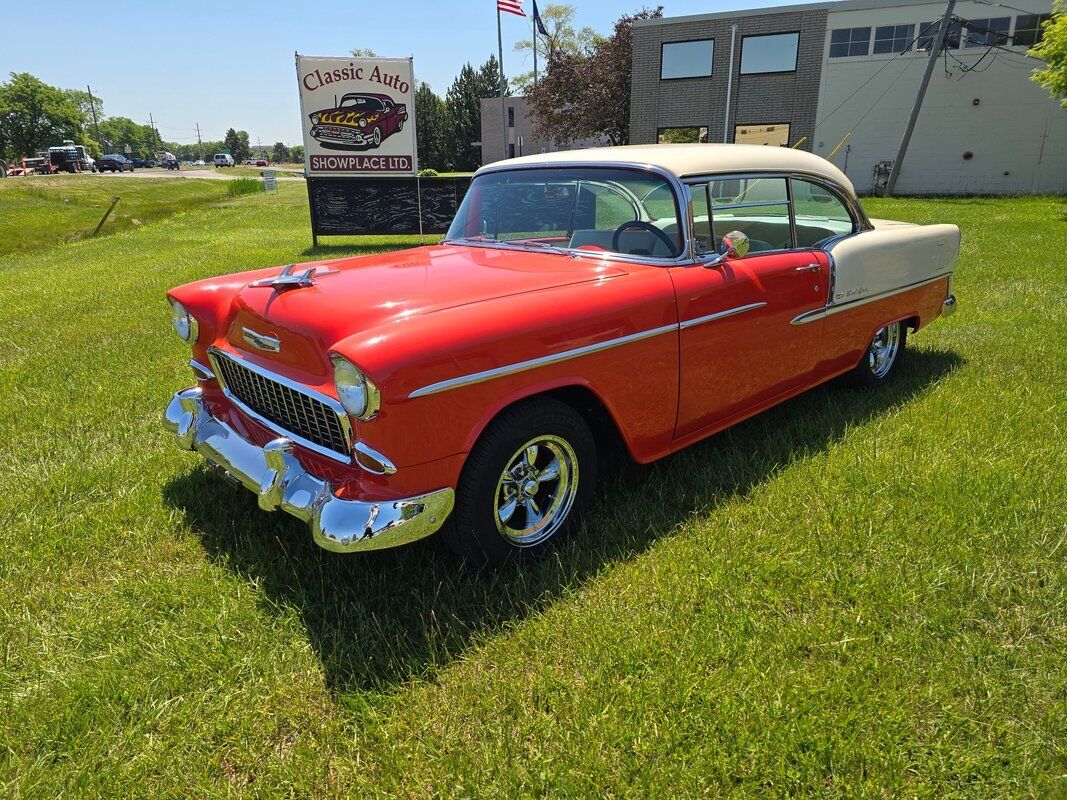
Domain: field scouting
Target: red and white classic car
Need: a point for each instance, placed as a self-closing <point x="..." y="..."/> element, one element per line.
<point x="653" y="294"/>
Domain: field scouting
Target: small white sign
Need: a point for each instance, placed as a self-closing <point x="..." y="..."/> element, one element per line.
<point x="270" y="180"/>
<point x="358" y="115"/>
<point x="129" y="149"/>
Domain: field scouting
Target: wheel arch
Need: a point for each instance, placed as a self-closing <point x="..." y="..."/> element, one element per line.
<point x="579" y="395"/>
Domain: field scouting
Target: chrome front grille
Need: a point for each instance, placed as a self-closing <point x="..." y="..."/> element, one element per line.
<point x="299" y="413"/>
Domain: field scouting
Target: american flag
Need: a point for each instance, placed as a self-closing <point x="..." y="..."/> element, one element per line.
<point x="510" y="7"/>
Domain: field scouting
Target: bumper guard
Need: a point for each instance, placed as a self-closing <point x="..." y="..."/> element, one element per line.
<point x="275" y="475"/>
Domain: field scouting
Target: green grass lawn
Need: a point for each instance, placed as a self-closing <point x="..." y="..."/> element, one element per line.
<point x="857" y="594"/>
<point x="44" y="210"/>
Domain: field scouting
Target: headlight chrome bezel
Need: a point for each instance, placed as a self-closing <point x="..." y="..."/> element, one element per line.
<point x="355" y="391"/>
<point x="185" y="324"/>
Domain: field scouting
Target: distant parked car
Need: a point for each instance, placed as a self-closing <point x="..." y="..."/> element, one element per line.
<point x="223" y="160"/>
<point x="114" y="162"/>
<point x="199" y="163"/>
<point x="262" y="162"/>
<point x="143" y="163"/>
<point x="172" y="163"/>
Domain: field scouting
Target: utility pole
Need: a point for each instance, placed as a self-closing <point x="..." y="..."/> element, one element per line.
<point x="729" y="86"/>
<point x="931" y="62"/>
<point x="92" y="106"/>
<point x="152" y="124"/>
<point x="199" y="142"/>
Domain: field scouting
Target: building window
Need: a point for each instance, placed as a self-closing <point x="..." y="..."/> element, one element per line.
<point x="511" y="116"/>
<point x="928" y="32"/>
<point x="686" y="59"/>
<point x="850" y="42"/>
<point x="985" y="32"/>
<point x="893" y="38"/>
<point x="775" y="52"/>
<point x="777" y="134"/>
<point x="1028" y="29"/>
<point x="682" y="135"/>
<point x="511" y="151"/>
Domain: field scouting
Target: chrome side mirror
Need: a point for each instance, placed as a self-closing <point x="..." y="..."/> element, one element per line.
<point x="735" y="244"/>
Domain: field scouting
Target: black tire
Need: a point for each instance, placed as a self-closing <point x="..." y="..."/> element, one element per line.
<point x="878" y="368"/>
<point x="563" y="436"/>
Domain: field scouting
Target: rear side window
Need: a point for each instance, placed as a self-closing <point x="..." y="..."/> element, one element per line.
<point x="820" y="215"/>
<point x="758" y="207"/>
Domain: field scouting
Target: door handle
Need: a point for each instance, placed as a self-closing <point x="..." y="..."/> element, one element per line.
<point x="809" y="268"/>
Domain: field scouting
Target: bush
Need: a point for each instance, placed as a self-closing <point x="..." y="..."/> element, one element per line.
<point x="240" y="186"/>
<point x="428" y="173"/>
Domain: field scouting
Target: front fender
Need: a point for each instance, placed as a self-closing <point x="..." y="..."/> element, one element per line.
<point x="637" y="380"/>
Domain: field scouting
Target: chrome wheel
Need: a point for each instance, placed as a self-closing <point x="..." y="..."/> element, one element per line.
<point x="882" y="352"/>
<point x="536" y="490"/>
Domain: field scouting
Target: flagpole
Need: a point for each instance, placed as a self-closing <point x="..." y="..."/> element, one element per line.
<point x="533" y="27"/>
<point x="503" y="104"/>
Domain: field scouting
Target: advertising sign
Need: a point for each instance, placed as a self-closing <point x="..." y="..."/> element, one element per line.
<point x="270" y="180"/>
<point x="358" y="115"/>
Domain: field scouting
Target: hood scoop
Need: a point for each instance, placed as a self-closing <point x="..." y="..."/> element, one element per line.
<point x="288" y="279"/>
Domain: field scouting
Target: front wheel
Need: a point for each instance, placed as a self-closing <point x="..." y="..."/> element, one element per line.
<point x="524" y="484"/>
<point x="884" y="353"/>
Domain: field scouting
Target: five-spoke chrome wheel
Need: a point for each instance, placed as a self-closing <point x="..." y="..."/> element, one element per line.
<point x="536" y="490"/>
<point x="882" y="352"/>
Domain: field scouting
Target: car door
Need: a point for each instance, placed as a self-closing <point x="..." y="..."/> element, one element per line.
<point x="738" y="347"/>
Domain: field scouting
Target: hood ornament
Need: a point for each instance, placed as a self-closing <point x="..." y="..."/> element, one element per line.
<point x="287" y="279"/>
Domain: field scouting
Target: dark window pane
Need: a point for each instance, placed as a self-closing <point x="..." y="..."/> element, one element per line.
<point x="1028" y="29"/>
<point x="850" y="42"/>
<point x="893" y="38"/>
<point x="687" y="59"/>
<point x="985" y="32"/>
<point x="776" y="52"/>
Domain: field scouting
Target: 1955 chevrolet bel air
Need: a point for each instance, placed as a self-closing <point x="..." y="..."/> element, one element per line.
<point x="651" y="294"/>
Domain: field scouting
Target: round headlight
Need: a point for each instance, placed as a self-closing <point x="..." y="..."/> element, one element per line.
<point x="184" y="322"/>
<point x="314" y="119"/>
<point x="357" y="394"/>
<point x="363" y="123"/>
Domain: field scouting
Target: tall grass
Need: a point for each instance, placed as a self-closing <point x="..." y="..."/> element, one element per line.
<point x="242" y="186"/>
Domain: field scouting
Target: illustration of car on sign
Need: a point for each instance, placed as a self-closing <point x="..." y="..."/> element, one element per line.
<point x="648" y="295"/>
<point x="361" y="121"/>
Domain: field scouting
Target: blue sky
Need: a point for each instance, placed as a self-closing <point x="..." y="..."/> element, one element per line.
<point x="231" y="64"/>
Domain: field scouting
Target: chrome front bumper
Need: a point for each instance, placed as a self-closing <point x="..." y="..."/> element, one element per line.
<point x="277" y="477"/>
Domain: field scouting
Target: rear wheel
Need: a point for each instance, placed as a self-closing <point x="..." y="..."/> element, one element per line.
<point x="884" y="353"/>
<point x="524" y="483"/>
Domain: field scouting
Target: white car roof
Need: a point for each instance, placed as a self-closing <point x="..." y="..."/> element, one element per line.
<point x="684" y="160"/>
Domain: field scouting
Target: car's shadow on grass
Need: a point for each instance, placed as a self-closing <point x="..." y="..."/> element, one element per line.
<point x="378" y="619"/>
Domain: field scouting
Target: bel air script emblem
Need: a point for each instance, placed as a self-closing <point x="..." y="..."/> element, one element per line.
<point x="261" y="341"/>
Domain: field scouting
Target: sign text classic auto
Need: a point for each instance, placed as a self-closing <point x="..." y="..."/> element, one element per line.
<point x="358" y="115"/>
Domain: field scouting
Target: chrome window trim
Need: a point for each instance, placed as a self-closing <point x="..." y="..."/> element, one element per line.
<point x="681" y="199"/>
<point x="214" y="353"/>
<point x="692" y="323"/>
<point x="534" y="363"/>
<point x="837" y="308"/>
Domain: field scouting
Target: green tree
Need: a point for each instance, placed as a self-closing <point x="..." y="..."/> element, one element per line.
<point x="35" y="116"/>
<point x="280" y="153"/>
<point x="364" y="52"/>
<point x="463" y="104"/>
<point x="117" y="132"/>
<point x="587" y="95"/>
<point x="431" y="117"/>
<point x="1053" y="49"/>
<point x="237" y="142"/>
<point x="297" y="153"/>
<point x="563" y="37"/>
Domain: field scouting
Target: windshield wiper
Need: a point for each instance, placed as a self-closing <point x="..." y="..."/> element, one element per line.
<point x="474" y="239"/>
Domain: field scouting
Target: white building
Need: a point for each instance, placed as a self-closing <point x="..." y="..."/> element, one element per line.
<point x="851" y="69"/>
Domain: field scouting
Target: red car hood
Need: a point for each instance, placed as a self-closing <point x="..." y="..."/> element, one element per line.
<point x="364" y="293"/>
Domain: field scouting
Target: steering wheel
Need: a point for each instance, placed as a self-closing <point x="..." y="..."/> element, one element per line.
<point x="640" y="224"/>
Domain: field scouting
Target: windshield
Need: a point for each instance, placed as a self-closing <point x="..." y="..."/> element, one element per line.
<point x="582" y="209"/>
